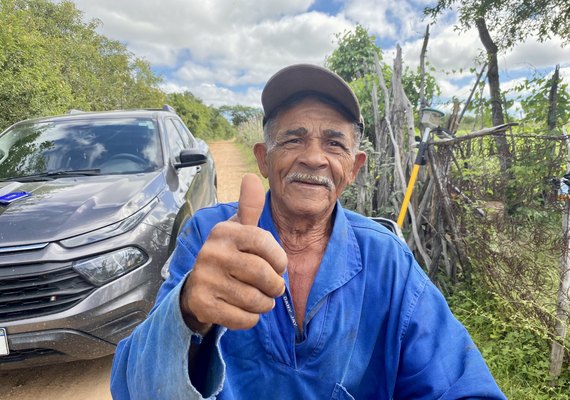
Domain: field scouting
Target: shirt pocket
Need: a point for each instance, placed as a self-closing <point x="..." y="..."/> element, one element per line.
<point x="340" y="393"/>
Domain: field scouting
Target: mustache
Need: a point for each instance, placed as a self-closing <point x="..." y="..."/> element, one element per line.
<point x="309" y="178"/>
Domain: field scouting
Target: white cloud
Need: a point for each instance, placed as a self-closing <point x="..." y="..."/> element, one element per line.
<point x="253" y="54"/>
<point x="222" y="43"/>
<point x="565" y="74"/>
<point x="536" y="55"/>
<point x="398" y="20"/>
<point x="224" y="50"/>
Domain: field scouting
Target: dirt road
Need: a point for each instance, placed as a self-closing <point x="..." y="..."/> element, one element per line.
<point x="89" y="380"/>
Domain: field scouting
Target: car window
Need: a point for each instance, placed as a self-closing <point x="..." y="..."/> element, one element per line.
<point x="185" y="132"/>
<point x="176" y="142"/>
<point x="112" y="146"/>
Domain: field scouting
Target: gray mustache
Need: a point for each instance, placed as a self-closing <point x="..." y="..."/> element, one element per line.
<point x="308" y="178"/>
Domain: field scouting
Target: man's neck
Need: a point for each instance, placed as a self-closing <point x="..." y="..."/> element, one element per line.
<point x="304" y="239"/>
<point x="303" y="235"/>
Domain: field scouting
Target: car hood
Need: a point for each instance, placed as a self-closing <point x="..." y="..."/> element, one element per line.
<point x="66" y="207"/>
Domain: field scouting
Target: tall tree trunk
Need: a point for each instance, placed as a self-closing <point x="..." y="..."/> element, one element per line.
<point x="552" y="97"/>
<point x="505" y="157"/>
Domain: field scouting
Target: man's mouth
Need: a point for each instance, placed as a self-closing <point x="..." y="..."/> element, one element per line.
<point x="310" y="179"/>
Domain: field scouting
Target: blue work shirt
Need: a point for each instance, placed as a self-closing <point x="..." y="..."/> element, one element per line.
<point x="375" y="328"/>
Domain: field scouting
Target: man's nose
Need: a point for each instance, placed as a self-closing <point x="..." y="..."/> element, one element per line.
<point x="313" y="156"/>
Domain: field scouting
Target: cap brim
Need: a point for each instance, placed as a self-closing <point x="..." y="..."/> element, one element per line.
<point x="299" y="78"/>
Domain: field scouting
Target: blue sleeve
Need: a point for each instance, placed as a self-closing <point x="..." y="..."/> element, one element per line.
<point x="152" y="363"/>
<point x="438" y="357"/>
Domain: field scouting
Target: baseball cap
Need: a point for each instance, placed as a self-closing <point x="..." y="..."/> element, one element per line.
<point x="299" y="78"/>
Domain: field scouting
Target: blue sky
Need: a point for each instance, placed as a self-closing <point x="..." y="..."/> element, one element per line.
<point x="223" y="51"/>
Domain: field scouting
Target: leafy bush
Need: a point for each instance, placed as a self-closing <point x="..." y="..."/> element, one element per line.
<point x="515" y="346"/>
<point x="203" y="121"/>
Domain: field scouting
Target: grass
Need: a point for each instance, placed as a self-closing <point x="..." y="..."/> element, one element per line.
<point x="251" y="162"/>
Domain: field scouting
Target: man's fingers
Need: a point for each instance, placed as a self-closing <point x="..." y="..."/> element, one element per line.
<point x="245" y="239"/>
<point x="251" y="200"/>
<point x="258" y="273"/>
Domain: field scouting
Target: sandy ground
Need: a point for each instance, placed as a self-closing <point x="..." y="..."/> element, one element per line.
<point x="230" y="167"/>
<point x="89" y="380"/>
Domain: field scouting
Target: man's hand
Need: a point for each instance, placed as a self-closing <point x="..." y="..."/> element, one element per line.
<point x="238" y="271"/>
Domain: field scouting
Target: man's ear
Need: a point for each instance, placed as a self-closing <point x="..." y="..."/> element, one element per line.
<point x="260" y="152"/>
<point x="359" y="160"/>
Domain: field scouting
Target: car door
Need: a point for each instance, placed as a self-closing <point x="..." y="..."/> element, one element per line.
<point x="203" y="190"/>
<point x="181" y="180"/>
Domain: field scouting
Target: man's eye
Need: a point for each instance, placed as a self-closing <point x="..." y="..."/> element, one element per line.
<point x="334" y="143"/>
<point x="293" y="141"/>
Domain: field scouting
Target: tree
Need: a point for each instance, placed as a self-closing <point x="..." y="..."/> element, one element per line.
<point x="512" y="21"/>
<point x="203" y="121"/>
<point x="536" y="98"/>
<point x="29" y="83"/>
<point x="495" y="90"/>
<point x="240" y="114"/>
<point x="51" y="61"/>
<point x="354" y="55"/>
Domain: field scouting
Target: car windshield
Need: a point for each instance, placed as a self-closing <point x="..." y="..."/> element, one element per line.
<point x="99" y="146"/>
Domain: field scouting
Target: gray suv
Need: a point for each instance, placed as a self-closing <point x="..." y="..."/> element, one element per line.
<point x="90" y="206"/>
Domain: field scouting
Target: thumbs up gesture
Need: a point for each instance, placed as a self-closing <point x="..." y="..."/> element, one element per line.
<point x="237" y="273"/>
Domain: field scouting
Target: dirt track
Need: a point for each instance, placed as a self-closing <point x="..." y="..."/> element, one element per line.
<point x="89" y="380"/>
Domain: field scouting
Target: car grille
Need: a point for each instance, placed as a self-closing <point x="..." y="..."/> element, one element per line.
<point x="34" y="295"/>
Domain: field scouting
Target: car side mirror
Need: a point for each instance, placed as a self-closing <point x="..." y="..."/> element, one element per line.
<point x="191" y="158"/>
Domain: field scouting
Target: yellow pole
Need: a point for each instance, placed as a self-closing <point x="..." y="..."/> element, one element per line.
<point x="420" y="160"/>
<point x="408" y="195"/>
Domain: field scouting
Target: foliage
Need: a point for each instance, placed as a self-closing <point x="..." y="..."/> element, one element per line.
<point x="353" y="60"/>
<point x="533" y="96"/>
<point x="203" y="121"/>
<point x="250" y="132"/>
<point x="354" y="56"/>
<point x="515" y="347"/>
<point x="411" y="82"/>
<point x="52" y="61"/>
<point x="512" y="20"/>
<point x="29" y="85"/>
<point x="240" y="114"/>
<point x="513" y="258"/>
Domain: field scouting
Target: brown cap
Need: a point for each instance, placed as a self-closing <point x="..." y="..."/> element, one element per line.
<point x="295" y="79"/>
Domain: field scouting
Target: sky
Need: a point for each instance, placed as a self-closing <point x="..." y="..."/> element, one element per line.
<point x="223" y="51"/>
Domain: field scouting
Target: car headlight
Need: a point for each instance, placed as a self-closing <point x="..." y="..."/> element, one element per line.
<point x="106" y="267"/>
<point x="112" y="230"/>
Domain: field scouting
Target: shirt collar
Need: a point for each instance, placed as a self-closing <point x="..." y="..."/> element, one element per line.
<point x="341" y="260"/>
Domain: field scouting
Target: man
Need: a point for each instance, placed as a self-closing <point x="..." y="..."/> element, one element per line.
<point x="288" y="295"/>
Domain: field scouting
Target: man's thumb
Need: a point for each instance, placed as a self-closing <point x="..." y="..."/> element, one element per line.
<point x="251" y="200"/>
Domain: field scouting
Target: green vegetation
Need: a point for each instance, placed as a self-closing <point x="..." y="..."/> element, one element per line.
<point x="205" y="122"/>
<point x="51" y="61"/>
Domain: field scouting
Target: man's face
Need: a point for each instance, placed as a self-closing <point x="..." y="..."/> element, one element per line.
<point x="310" y="159"/>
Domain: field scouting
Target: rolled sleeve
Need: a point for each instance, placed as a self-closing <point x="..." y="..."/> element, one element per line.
<point x="152" y="363"/>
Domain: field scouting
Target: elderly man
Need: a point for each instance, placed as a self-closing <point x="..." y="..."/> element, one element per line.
<point x="289" y="296"/>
